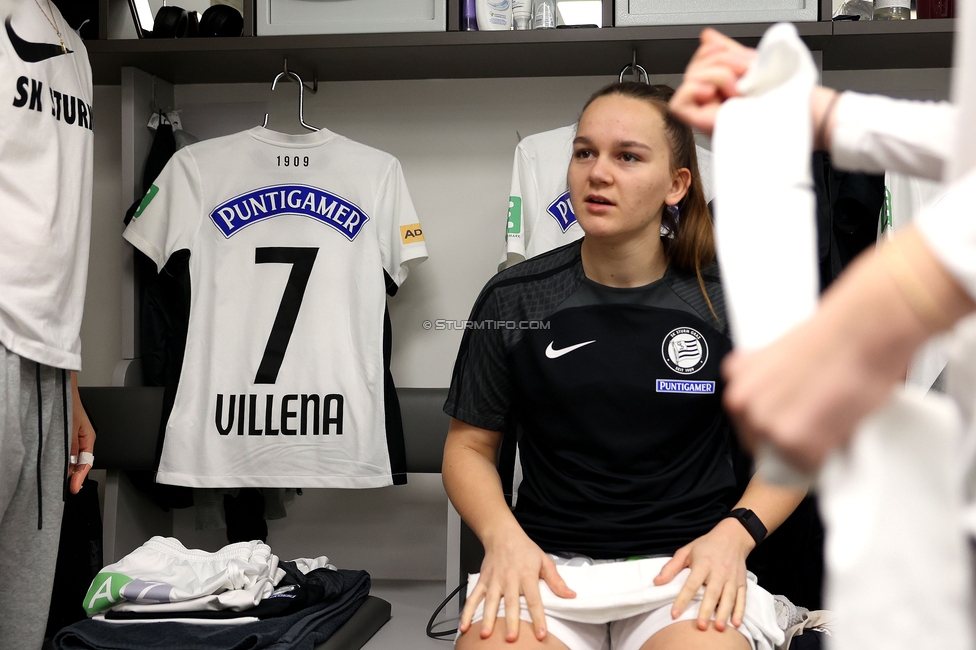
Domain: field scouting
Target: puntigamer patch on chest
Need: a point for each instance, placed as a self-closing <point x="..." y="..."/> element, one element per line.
<point x="302" y="200"/>
<point x="683" y="386"/>
<point x="685" y="350"/>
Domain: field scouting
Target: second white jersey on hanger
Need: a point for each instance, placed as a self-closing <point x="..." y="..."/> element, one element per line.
<point x="283" y="376"/>
<point x="540" y="213"/>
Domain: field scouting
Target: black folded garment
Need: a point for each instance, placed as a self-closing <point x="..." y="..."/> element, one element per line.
<point x="302" y="630"/>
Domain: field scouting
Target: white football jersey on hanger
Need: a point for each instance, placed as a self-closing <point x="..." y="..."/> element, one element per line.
<point x="284" y="378"/>
<point x="540" y="213"/>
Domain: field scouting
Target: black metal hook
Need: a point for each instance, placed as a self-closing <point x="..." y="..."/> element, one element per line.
<point x="314" y="88"/>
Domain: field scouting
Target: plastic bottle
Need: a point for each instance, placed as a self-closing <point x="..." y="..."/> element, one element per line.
<point x="469" y="16"/>
<point x="892" y="9"/>
<point x="545" y="14"/>
<point x="936" y="8"/>
<point x="494" y="15"/>
<point x="522" y="14"/>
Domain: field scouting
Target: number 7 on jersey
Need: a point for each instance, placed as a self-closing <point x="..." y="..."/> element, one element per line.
<point x="302" y="260"/>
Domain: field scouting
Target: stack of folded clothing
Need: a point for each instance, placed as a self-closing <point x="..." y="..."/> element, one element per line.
<point x="163" y="595"/>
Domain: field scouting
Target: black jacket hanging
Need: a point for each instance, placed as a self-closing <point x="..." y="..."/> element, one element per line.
<point x="164" y="312"/>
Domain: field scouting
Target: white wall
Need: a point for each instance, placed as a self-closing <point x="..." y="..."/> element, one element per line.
<point x="101" y="328"/>
<point x="397" y="532"/>
<point x="455" y="139"/>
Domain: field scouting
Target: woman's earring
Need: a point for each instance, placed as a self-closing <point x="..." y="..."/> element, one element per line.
<point x="669" y="225"/>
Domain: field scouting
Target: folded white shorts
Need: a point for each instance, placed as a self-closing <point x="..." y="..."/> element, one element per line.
<point x="618" y="605"/>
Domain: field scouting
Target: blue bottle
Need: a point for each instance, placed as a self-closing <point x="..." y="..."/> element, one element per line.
<point x="469" y="16"/>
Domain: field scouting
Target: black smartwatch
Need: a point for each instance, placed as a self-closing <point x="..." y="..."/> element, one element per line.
<point x="751" y="521"/>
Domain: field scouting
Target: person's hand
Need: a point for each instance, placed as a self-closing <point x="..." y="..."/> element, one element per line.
<point x="808" y="391"/>
<point x="710" y="78"/>
<point x="82" y="439"/>
<point x="718" y="562"/>
<point x="512" y="567"/>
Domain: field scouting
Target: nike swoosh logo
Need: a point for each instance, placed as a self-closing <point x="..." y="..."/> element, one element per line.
<point x="553" y="353"/>
<point x="32" y="52"/>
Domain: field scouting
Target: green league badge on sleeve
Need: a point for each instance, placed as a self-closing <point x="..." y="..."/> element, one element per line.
<point x="146" y="200"/>
<point x="514" y="217"/>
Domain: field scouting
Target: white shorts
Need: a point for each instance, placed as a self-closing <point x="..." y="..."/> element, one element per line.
<point x="627" y="634"/>
<point x="162" y="575"/>
<point x="601" y="630"/>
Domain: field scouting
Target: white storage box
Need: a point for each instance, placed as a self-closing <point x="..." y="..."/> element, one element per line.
<point x="713" y="12"/>
<point x="350" y="16"/>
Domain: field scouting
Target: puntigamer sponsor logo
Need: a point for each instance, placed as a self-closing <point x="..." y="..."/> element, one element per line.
<point x="680" y="386"/>
<point x="562" y="211"/>
<point x="302" y="200"/>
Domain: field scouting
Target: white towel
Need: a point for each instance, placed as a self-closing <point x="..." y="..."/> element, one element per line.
<point x="768" y="248"/>
<point x="897" y="563"/>
<point x="612" y="591"/>
<point x="761" y="145"/>
<point x="961" y="387"/>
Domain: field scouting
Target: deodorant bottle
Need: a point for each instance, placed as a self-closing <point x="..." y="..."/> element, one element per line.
<point x="522" y="14"/>
<point x="494" y="15"/>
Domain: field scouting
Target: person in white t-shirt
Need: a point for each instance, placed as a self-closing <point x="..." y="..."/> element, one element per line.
<point x="808" y="391"/>
<point x="45" y="199"/>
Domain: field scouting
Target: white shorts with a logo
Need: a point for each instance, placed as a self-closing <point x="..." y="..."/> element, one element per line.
<point x="618" y="606"/>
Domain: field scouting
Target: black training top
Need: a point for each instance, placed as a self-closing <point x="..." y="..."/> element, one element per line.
<point x="615" y="396"/>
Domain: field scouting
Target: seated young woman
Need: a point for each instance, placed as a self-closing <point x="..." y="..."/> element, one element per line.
<point x="611" y="383"/>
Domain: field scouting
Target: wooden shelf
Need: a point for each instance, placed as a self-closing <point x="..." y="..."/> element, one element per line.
<point x="454" y="55"/>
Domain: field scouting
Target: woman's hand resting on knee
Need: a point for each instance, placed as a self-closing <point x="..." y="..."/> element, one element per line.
<point x="718" y="562"/>
<point x="512" y="567"/>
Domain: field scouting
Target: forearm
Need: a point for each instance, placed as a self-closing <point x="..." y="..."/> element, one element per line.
<point x="892" y="300"/>
<point x="872" y="133"/>
<point x="79" y="415"/>
<point x="771" y="503"/>
<point x="75" y="395"/>
<point x="475" y="489"/>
